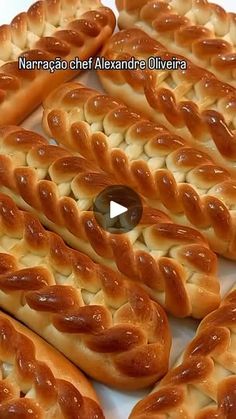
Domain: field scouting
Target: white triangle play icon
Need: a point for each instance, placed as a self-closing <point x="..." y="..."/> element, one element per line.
<point x="116" y="209"/>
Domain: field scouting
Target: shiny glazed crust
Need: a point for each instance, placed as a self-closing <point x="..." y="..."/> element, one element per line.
<point x="203" y="384"/>
<point x="50" y="29"/>
<point x="202" y="31"/>
<point x="36" y="381"/>
<point x="171" y="261"/>
<point x="192" y="103"/>
<point x="161" y="166"/>
<point x="104" y="323"/>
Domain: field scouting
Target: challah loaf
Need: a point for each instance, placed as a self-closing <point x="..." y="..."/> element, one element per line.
<point x="191" y="102"/>
<point x="51" y="29"/>
<point x="203" y="384"/>
<point x="100" y="320"/>
<point x="202" y="31"/>
<point x="36" y="381"/>
<point x="173" y="262"/>
<point x="161" y="166"/>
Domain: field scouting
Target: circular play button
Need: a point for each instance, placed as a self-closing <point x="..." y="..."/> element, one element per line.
<point x="118" y="209"/>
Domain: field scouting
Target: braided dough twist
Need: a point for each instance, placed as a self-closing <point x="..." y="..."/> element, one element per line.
<point x="161" y="166"/>
<point x="103" y="322"/>
<point x="50" y="29"/>
<point x="204" y="32"/>
<point x="173" y="262"/>
<point x="203" y="384"/>
<point x="36" y="382"/>
<point x="192" y="102"/>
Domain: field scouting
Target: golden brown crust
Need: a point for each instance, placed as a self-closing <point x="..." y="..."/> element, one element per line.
<point x="49" y="29"/>
<point x="37" y="381"/>
<point x="203" y="384"/>
<point x="202" y="31"/>
<point x="100" y="320"/>
<point x="161" y="166"/>
<point x="191" y="102"/>
<point x="173" y="262"/>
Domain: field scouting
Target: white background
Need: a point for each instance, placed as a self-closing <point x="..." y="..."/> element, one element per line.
<point x="117" y="405"/>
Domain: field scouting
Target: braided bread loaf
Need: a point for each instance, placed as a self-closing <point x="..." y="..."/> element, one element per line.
<point x="50" y="29"/>
<point x="36" y="382"/>
<point x="200" y="30"/>
<point x="203" y="384"/>
<point x="191" y="102"/>
<point x="149" y="159"/>
<point x="104" y="323"/>
<point x="173" y="262"/>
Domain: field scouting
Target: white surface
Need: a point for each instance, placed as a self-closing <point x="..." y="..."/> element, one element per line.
<point x="116" y="209"/>
<point x="117" y="405"/>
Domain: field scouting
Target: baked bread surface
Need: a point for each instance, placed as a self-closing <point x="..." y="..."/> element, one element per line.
<point x="172" y="262"/>
<point x="104" y="323"/>
<point x="192" y="103"/>
<point x="163" y="167"/>
<point x="36" y="381"/>
<point x="50" y="29"/>
<point x="200" y="30"/>
<point x="203" y="384"/>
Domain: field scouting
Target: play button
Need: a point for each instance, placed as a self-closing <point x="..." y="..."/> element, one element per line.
<point x="118" y="209"/>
